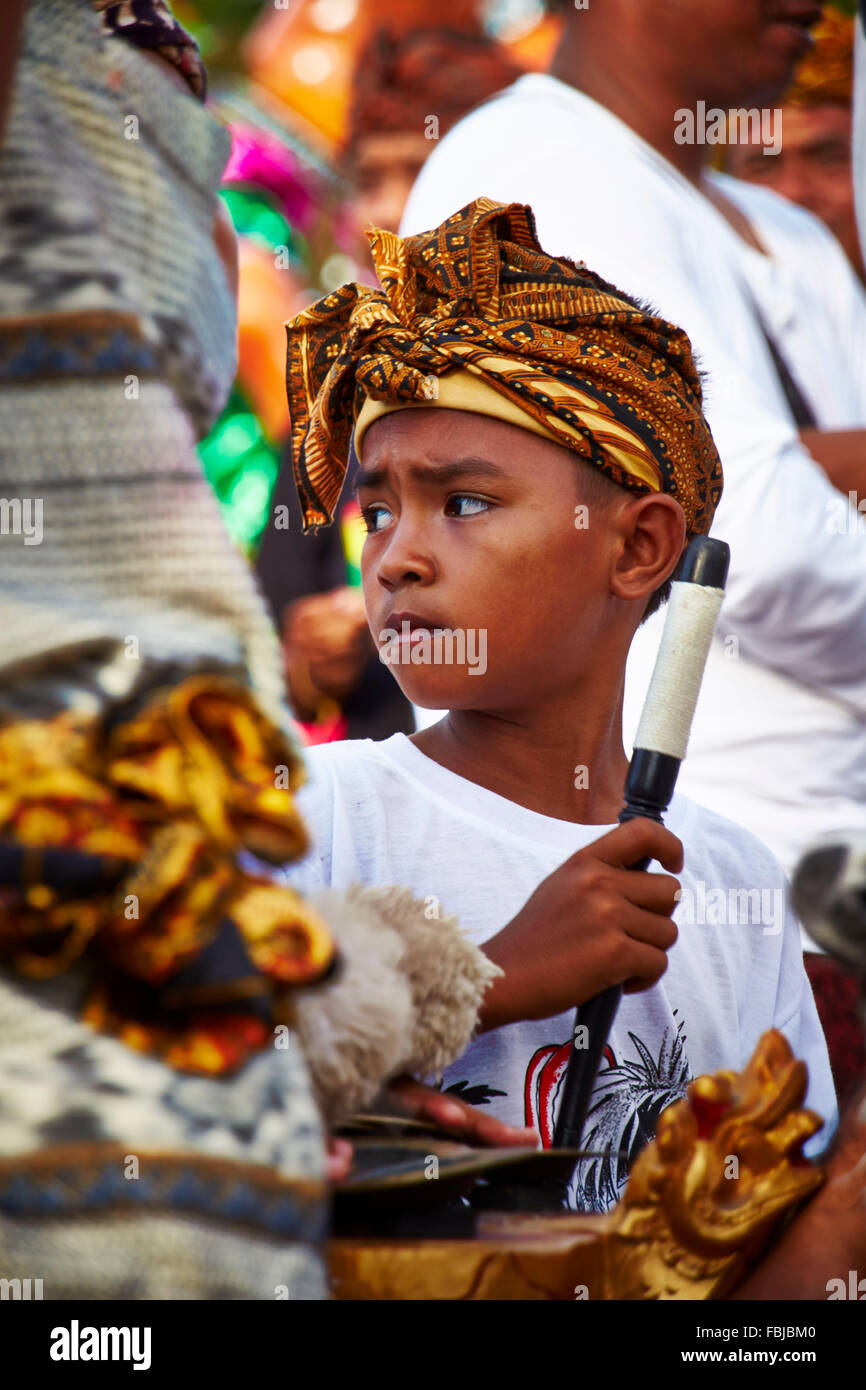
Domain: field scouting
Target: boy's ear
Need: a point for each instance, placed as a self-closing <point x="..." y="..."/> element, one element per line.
<point x="652" y="533"/>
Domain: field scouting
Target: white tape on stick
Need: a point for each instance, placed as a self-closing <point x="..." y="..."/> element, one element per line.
<point x="676" y="680"/>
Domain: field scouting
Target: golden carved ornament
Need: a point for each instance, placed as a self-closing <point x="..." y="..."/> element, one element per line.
<point x="726" y="1166"/>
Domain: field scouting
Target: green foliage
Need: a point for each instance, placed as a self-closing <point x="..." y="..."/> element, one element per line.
<point x="218" y="27"/>
<point x="241" y="465"/>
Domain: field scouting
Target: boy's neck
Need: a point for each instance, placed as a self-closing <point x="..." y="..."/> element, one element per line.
<point x="558" y="764"/>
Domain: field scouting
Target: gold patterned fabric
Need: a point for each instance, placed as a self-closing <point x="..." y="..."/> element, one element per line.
<point x="601" y="375"/>
<point x="120" y="843"/>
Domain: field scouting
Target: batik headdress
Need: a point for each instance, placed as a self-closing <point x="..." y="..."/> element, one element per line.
<point x="476" y="316"/>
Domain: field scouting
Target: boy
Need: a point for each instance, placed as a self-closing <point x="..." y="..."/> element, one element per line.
<point x="533" y="459"/>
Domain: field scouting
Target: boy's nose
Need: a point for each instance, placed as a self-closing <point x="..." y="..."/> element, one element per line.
<point x="406" y="557"/>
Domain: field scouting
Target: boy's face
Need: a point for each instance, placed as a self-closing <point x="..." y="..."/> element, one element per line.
<point x="473" y="528"/>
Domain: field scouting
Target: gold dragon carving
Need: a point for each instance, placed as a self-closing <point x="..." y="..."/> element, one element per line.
<point x="725" y="1169"/>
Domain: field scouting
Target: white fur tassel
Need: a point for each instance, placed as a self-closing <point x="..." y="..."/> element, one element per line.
<point x="406" y="998"/>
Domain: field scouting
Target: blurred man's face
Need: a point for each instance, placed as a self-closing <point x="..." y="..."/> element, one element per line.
<point x="812" y="168"/>
<point x="735" y="52"/>
<point x="385" y="168"/>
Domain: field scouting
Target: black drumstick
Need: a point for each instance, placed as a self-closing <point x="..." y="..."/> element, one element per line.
<point x="660" y="746"/>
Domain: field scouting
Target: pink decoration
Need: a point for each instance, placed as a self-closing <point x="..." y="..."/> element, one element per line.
<point x="260" y="158"/>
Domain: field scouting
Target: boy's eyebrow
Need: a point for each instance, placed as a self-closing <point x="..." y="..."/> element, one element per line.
<point x="436" y="474"/>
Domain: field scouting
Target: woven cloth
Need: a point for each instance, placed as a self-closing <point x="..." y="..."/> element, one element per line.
<point x="117" y="351"/>
<point x="90" y="1204"/>
<point x="108" y="180"/>
<point x="135" y="574"/>
<point x="157" y="1255"/>
<point x="118" y="579"/>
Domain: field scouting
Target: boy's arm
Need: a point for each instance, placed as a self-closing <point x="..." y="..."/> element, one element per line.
<point x="594" y="922"/>
<point x="461" y="1120"/>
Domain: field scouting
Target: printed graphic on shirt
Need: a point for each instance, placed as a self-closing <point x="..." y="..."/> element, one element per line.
<point x="628" y="1098"/>
<point x="480" y="1094"/>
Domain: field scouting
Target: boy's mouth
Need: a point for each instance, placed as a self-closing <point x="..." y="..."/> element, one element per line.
<point x="410" y="639"/>
<point x="409" y="626"/>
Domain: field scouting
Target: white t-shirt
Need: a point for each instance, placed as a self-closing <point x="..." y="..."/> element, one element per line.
<point x="779" y="739"/>
<point x="383" y="813"/>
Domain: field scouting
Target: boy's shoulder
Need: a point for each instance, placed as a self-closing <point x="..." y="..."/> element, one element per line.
<point x="358" y="768"/>
<point x="732" y="849"/>
<point x="345" y="755"/>
<point x="364" y="768"/>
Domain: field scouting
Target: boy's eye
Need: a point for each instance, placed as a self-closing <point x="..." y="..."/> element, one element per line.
<point x="476" y="504"/>
<point x="373" y="517"/>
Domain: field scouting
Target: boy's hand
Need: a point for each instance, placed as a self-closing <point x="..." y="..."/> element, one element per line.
<point x="456" y="1117"/>
<point x="592" y="923"/>
<point x="406" y="1096"/>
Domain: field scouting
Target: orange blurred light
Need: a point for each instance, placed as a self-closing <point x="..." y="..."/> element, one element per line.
<point x="306" y="57"/>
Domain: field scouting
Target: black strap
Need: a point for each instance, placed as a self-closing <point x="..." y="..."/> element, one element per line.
<point x="804" y="415"/>
<point x="800" y="408"/>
